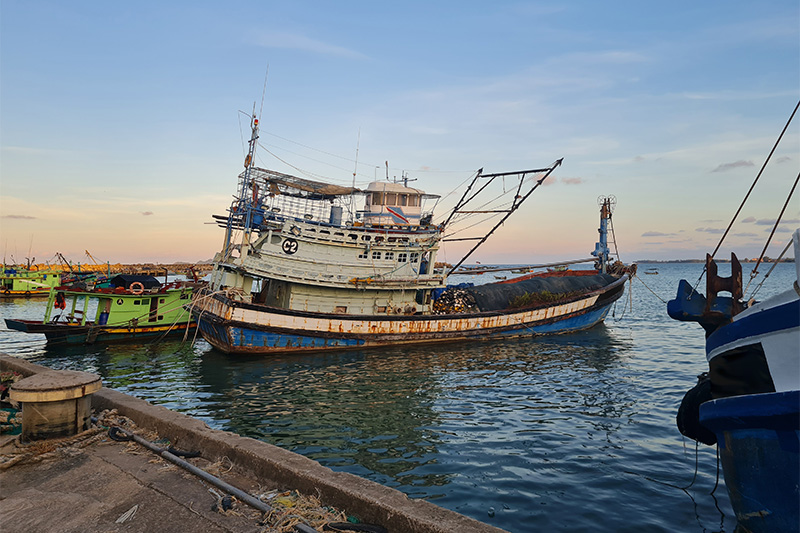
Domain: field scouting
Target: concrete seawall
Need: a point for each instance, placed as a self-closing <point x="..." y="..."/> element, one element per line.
<point x="371" y="502"/>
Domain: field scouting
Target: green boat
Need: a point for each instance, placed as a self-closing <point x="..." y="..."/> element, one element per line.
<point x="133" y="308"/>
<point x="18" y="282"/>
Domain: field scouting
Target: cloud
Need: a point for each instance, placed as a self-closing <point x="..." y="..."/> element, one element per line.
<point x="147" y="213"/>
<point x="783" y="159"/>
<point x="729" y="166"/>
<point x="711" y="230"/>
<point x="19" y="217"/>
<point x="746" y="234"/>
<point x="292" y="41"/>
<point x="572" y="181"/>
<point x="749" y="220"/>
<point x="771" y="221"/>
<point x="656" y="234"/>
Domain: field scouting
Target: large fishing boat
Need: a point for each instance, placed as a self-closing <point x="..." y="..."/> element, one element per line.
<point x="308" y="265"/>
<point x="16" y="282"/>
<point x="133" y="308"/>
<point x="748" y="403"/>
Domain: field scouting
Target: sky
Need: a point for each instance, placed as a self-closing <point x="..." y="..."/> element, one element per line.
<point x="123" y="125"/>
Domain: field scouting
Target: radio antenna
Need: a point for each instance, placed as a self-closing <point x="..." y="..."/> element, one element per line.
<point x="263" y="93"/>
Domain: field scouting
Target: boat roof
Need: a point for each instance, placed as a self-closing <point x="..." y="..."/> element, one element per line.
<point x="389" y="186"/>
<point x="302" y="184"/>
<point x="125" y="280"/>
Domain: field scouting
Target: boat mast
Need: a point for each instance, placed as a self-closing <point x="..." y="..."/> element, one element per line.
<point x="243" y="206"/>
<point x="601" y="251"/>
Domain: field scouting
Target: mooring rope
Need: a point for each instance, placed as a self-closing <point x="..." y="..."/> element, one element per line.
<point x="651" y="290"/>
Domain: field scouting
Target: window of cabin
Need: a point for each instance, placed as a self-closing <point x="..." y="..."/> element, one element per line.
<point x="389" y="255"/>
<point x="402" y="257"/>
<point x="376" y="198"/>
<point x="376" y="255"/>
<point x="391" y="198"/>
<point x="403" y="199"/>
<point x="414" y="257"/>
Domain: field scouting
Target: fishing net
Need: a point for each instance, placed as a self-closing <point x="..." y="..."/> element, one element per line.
<point x="518" y="295"/>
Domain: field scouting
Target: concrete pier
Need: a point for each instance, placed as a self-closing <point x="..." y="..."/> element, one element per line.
<point x="90" y="491"/>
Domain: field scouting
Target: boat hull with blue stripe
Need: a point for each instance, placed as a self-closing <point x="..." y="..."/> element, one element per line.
<point x="240" y="327"/>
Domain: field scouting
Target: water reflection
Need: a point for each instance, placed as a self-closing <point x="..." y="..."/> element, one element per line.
<point x="398" y="416"/>
<point x="387" y="414"/>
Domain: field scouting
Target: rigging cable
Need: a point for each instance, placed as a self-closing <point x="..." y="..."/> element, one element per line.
<point x="352" y="160"/>
<point x="754" y="273"/>
<point x="775" y="146"/>
<point x="613" y="236"/>
<point x="774" y="264"/>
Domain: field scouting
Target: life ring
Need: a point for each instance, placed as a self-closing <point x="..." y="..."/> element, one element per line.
<point x="136" y="288"/>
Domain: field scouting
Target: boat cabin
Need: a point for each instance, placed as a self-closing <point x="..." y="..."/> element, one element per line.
<point x="392" y="204"/>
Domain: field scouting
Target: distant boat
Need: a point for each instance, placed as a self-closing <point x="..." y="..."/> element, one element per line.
<point x="134" y="308"/>
<point x="23" y="282"/>
<point x="293" y="275"/>
<point x="748" y="403"/>
<point x="651" y="271"/>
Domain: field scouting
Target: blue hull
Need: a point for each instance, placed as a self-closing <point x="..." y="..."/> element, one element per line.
<point x="235" y="338"/>
<point x="759" y="446"/>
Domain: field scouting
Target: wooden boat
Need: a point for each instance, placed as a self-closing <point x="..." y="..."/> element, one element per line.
<point x="293" y="275"/>
<point x="133" y="308"/>
<point x="748" y="403"/>
<point x="16" y="282"/>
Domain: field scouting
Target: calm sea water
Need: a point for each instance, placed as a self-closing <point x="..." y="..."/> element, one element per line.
<point x="569" y="433"/>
